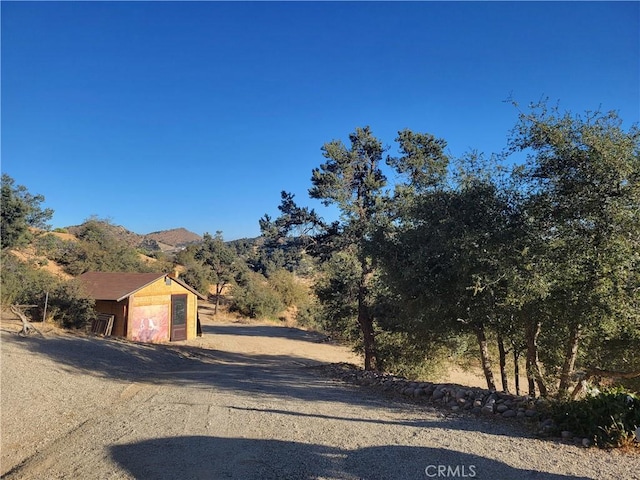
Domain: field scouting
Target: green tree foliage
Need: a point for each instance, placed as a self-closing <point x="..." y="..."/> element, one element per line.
<point x="291" y="290"/>
<point x="195" y="275"/>
<point x="26" y="284"/>
<point x="351" y="179"/>
<point x="584" y="201"/>
<point x="219" y="261"/>
<point x="337" y="290"/>
<point x="22" y="283"/>
<point x="348" y="287"/>
<point x="608" y="419"/>
<point x="445" y="260"/>
<point x="422" y="165"/>
<point x="253" y="297"/>
<point x="290" y="239"/>
<point x="244" y="247"/>
<point x="20" y="211"/>
<point x="542" y="260"/>
<point x="69" y="306"/>
<point x="256" y="296"/>
<point x="98" y="249"/>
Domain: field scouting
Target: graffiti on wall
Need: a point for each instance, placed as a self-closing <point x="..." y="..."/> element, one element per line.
<point x="150" y="323"/>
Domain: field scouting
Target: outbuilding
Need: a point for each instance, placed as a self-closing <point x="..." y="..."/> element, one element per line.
<point x="147" y="307"/>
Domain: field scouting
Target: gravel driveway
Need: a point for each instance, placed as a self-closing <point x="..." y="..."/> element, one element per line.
<point x="244" y="402"/>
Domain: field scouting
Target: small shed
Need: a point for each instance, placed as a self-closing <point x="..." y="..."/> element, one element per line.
<point x="147" y="307"/>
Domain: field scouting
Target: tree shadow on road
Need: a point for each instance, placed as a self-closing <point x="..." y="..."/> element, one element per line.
<point x="454" y="422"/>
<point x="267" y="331"/>
<point x="202" y="457"/>
<point x="284" y="376"/>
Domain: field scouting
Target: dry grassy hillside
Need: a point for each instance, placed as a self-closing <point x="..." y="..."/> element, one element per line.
<point x="175" y="237"/>
<point x="28" y="255"/>
<point x="127" y="236"/>
<point x="164" y="240"/>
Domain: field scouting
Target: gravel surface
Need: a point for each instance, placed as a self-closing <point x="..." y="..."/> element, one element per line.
<point x="244" y="402"/>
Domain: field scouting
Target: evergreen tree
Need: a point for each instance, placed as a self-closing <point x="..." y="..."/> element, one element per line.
<point x="352" y="179"/>
<point x="20" y="210"/>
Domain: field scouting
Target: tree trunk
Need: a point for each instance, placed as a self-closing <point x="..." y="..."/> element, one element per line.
<point x="484" y="356"/>
<point x="27" y="328"/>
<point x="366" y="322"/>
<point x="580" y="387"/>
<point x="503" y="364"/>
<point x="368" y="337"/>
<point x="533" y="367"/>
<point x="516" y="369"/>
<point x="569" y="360"/>
<point x="219" y="288"/>
<point x="531" y="383"/>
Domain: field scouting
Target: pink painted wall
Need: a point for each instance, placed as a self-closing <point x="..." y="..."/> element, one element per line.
<point x="150" y="323"/>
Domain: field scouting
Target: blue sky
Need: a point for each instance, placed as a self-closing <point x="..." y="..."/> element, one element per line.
<point x="170" y="114"/>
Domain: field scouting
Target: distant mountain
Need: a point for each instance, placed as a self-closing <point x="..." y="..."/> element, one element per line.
<point x="176" y="237"/>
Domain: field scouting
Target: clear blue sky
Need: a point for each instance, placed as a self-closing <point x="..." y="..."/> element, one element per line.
<point x="160" y="114"/>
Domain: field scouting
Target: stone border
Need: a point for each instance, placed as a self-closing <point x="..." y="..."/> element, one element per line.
<point x="457" y="398"/>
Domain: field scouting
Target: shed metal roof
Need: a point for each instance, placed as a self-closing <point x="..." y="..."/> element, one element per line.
<point x="120" y="285"/>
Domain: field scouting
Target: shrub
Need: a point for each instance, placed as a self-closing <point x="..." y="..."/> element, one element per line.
<point x="291" y="290"/>
<point x="402" y="356"/>
<point x="69" y="307"/>
<point x="97" y="249"/>
<point x="309" y="315"/>
<point x="608" y="419"/>
<point x="26" y="285"/>
<point x="23" y="283"/>
<point x="254" y="298"/>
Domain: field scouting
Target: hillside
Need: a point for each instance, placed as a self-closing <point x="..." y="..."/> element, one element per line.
<point x="163" y="240"/>
<point x="117" y="231"/>
<point x="176" y="237"/>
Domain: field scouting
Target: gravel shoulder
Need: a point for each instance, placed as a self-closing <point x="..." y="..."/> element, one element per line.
<point x="244" y="401"/>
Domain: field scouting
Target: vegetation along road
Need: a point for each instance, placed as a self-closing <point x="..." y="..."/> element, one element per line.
<point x="244" y="401"/>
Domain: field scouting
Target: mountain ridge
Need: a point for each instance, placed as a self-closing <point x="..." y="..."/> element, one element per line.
<point x="162" y="240"/>
<point x="177" y="237"/>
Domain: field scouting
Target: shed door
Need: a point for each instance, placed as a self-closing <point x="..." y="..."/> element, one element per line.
<point x="178" y="317"/>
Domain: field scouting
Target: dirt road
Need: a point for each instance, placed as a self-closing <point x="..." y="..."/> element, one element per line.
<point x="244" y="402"/>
